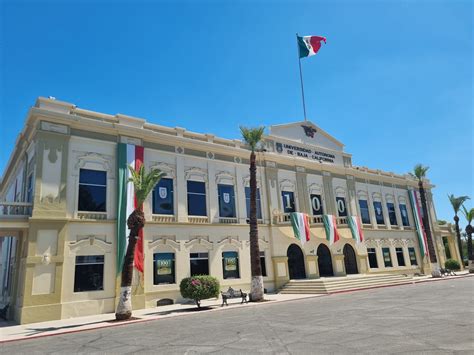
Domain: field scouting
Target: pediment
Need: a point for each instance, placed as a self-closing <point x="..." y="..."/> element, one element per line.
<point x="307" y="133"/>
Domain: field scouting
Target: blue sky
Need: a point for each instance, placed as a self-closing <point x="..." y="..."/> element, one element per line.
<point x="394" y="82"/>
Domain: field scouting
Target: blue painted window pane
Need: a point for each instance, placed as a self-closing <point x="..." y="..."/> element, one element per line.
<point x="230" y="265"/>
<point x="247" y="203"/>
<point x="387" y="258"/>
<point x="196" y="198"/>
<point x="163" y="268"/>
<point x="404" y="213"/>
<point x="316" y="204"/>
<point x="93" y="177"/>
<point x="341" y="206"/>
<point x="378" y="212"/>
<point x="92" y="190"/>
<point x="163" y="197"/>
<point x="288" y="201"/>
<point x="197" y="187"/>
<point x="226" y="200"/>
<point x="391" y="214"/>
<point x="364" y="211"/>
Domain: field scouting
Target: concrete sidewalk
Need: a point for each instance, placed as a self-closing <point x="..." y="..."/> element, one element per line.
<point x="11" y="332"/>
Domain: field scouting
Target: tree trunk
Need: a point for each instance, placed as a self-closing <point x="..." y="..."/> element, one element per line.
<point x="458" y="234"/>
<point x="470" y="257"/>
<point x="435" y="272"/>
<point x="135" y="222"/>
<point x="256" y="287"/>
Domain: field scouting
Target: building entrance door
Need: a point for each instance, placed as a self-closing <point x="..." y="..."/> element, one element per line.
<point x="324" y="261"/>
<point x="350" y="260"/>
<point x="295" y="262"/>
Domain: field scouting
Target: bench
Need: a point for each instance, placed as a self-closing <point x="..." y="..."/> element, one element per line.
<point x="446" y="272"/>
<point x="231" y="293"/>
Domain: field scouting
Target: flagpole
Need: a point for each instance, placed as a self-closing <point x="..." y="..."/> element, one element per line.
<point x="301" y="76"/>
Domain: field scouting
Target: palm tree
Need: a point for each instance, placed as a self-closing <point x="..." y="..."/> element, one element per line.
<point x="143" y="184"/>
<point x="469" y="214"/>
<point x="457" y="202"/>
<point x="253" y="137"/>
<point x="419" y="173"/>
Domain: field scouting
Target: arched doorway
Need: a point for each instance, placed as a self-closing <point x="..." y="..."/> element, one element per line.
<point x="324" y="261"/>
<point x="350" y="260"/>
<point x="295" y="262"/>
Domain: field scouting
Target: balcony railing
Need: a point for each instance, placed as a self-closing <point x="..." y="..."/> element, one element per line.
<point x="341" y="221"/>
<point x="163" y="218"/>
<point x="228" y="220"/>
<point x="15" y="209"/>
<point x="198" y="219"/>
<point x="282" y="218"/>
<point x="316" y="219"/>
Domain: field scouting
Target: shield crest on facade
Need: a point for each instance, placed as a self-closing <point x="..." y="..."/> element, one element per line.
<point x="279" y="147"/>
<point x="226" y="197"/>
<point x="163" y="192"/>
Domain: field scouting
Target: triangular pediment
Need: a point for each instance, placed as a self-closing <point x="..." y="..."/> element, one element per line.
<point x="307" y="133"/>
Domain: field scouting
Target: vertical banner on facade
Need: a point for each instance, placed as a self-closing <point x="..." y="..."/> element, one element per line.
<point x="127" y="155"/>
<point x="356" y="228"/>
<point x="415" y="206"/>
<point x="332" y="235"/>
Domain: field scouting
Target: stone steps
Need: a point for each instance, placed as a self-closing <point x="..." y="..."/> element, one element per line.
<point x="341" y="284"/>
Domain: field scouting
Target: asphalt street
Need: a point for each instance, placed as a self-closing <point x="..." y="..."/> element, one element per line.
<point x="426" y="318"/>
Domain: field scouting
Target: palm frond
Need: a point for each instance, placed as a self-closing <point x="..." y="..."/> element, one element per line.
<point x="469" y="214"/>
<point x="252" y="136"/>
<point x="144" y="182"/>
<point x="457" y="202"/>
<point x="419" y="172"/>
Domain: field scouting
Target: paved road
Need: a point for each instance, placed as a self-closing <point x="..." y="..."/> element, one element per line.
<point x="429" y="318"/>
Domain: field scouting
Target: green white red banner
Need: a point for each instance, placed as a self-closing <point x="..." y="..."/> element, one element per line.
<point x="332" y="235"/>
<point x="420" y="230"/>
<point x="300" y="224"/>
<point x="356" y="228"/>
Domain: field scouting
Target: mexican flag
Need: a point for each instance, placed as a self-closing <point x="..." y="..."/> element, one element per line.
<point x="309" y="45"/>
<point x="300" y="224"/>
<point x="127" y="155"/>
<point x="332" y="235"/>
<point x="356" y="228"/>
<point x="420" y="230"/>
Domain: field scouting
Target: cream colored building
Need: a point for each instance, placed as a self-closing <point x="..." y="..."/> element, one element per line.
<point x="59" y="259"/>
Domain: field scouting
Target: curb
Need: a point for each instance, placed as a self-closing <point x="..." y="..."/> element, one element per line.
<point x="153" y="318"/>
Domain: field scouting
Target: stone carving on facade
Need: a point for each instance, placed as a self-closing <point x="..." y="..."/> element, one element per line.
<point x="339" y="192"/>
<point x="246" y="181"/>
<point x="97" y="241"/>
<point x="199" y="241"/>
<point x="315" y="189"/>
<point x="224" y="177"/>
<point x="179" y="150"/>
<point x="102" y="161"/>
<point x="210" y="155"/>
<point x="232" y="240"/>
<point x="195" y="173"/>
<point x="287" y="185"/>
<point x="168" y="169"/>
<point x="54" y="127"/>
<point x="165" y="241"/>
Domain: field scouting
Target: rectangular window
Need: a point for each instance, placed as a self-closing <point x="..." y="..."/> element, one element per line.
<point x="391" y="214"/>
<point x="247" y="203"/>
<point x="199" y="263"/>
<point x="364" y="211"/>
<point x="163" y="268"/>
<point x="29" y="189"/>
<point x="316" y="205"/>
<point x="378" y="212"/>
<point x="163" y="197"/>
<point x="404" y="213"/>
<point x="92" y="190"/>
<point x="226" y="200"/>
<point x="341" y="206"/>
<point x="288" y="201"/>
<point x="412" y="254"/>
<point x="372" y="258"/>
<point x="387" y="259"/>
<point x="262" y="263"/>
<point x="230" y="265"/>
<point x="89" y="273"/>
<point x="400" y="257"/>
<point x="196" y="198"/>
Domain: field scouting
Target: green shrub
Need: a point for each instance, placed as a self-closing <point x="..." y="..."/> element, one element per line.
<point x="199" y="288"/>
<point x="452" y="264"/>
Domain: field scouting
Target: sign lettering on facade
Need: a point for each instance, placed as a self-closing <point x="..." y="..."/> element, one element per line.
<point x="305" y="153"/>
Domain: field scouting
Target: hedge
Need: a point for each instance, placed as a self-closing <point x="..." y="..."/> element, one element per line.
<point x="199" y="288"/>
<point x="452" y="264"/>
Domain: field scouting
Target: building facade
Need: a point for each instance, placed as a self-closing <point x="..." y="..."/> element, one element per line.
<point x="58" y="212"/>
